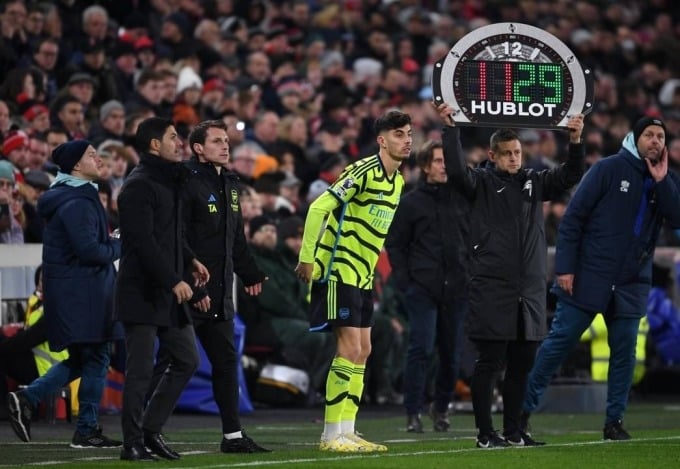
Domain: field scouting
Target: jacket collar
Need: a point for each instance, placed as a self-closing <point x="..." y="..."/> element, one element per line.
<point x="162" y="169"/>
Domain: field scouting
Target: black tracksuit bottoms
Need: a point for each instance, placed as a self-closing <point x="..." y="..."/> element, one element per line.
<point x="517" y="358"/>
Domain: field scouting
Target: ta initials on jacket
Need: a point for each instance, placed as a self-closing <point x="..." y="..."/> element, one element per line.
<point x="212" y="207"/>
<point x="624" y="186"/>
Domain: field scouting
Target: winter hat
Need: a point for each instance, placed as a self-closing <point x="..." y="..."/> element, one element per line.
<point x="67" y="155"/>
<point x="7" y="171"/>
<point x="290" y="227"/>
<point x="181" y="20"/>
<point x="258" y="222"/>
<point x="108" y="108"/>
<point x="14" y="141"/>
<point x="188" y="78"/>
<point x="34" y="110"/>
<point x="37" y="179"/>
<point x="645" y="122"/>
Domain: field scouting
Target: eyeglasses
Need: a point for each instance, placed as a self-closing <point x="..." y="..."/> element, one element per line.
<point x="267" y="229"/>
<point x="6" y="183"/>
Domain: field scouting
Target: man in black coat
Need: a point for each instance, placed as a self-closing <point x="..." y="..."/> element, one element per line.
<point x="151" y="294"/>
<point x="215" y="233"/>
<point x="428" y="250"/>
<point x="507" y="318"/>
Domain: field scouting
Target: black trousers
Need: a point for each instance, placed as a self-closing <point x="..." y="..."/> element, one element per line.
<point x="180" y="345"/>
<point x="517" y="357"/>
<point x="217" y="339"/>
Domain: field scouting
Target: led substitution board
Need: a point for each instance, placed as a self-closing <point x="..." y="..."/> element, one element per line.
<point x="513" y="75"/>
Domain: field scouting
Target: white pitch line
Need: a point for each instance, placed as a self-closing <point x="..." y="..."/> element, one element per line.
<point x="374" y="455"/>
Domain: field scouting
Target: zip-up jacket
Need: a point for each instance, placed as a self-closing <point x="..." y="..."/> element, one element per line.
<point x="214" y="232"/>
<point x="428" y="241"/>
<point x="507" y="239"/>
<point x="608" y="233"/>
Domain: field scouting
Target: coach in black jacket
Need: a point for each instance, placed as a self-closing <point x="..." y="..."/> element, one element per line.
<point x="508" y="269"/>
<point x="214" y="228"/>
<point x="150" y="290"/>
<point x="428" y="250"/>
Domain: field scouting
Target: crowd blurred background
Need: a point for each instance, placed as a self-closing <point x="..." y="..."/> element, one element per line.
<point x="299" y="83"/>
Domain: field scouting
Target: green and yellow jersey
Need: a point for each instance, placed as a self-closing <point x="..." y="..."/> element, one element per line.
<point x="357" y="209"/>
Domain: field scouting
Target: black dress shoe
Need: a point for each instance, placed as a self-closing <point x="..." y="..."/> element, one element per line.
<point x="136" y="453"/>
<point x="157" y="445"/>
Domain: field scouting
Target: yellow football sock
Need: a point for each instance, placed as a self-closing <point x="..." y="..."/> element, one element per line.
<point x="356" y="388"/>
<point x="337" y="388"/>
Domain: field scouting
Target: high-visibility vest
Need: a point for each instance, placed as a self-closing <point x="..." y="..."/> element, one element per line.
<point x="44" y="357"/>
<point x="599" y="349"/>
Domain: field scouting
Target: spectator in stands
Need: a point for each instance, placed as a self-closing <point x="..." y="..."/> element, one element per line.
<point x="55" y="137"/>
<point x="283" y="304"/>
<point x="36" y="183"/>
<point x="45" y="57"/>
<point x="15" y="150"/>
<point x="264" y="132"/>
<point x="186" y="109"/>
<point x="78" y="280"/>
<point x="4" y="118"/>
<point x="175" y="37"/>
<point x="18" y="88"/>
<point x="329" y="171"/>
<point x="10" y="228"/>
<point x="243" y="162"/>
<point x="12" y="22"/>
<point x="96" y="64"/>
<point x="251" y="207"/>
<point x="111" y="124"/>
<point x="148" y="94"/>
<point x="123" y="70"/>
<point x="603" y="262"/>
<point x="82" y="86"/>
<point x="67" y="113"/>
<point x="37" y="117"/>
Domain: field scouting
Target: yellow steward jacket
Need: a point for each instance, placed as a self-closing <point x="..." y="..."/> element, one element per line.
<point x="44" y="358"/>
<point x="599" y="349"/>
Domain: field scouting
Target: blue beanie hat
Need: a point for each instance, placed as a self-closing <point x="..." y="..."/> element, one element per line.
<point x="67" y="155"/>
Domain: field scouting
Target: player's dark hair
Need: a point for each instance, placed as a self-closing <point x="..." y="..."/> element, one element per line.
<point x="391" y="120"/>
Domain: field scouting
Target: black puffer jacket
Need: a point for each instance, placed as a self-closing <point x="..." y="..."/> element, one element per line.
<point x="508" y="248"/>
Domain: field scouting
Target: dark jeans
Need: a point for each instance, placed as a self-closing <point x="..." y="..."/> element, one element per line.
<point x="89" y="362"/>
<point x="432" y="324"/>
<point x="517" y="357"/>
<point x="567" y="327"/>
<point x="180" y="344"/>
